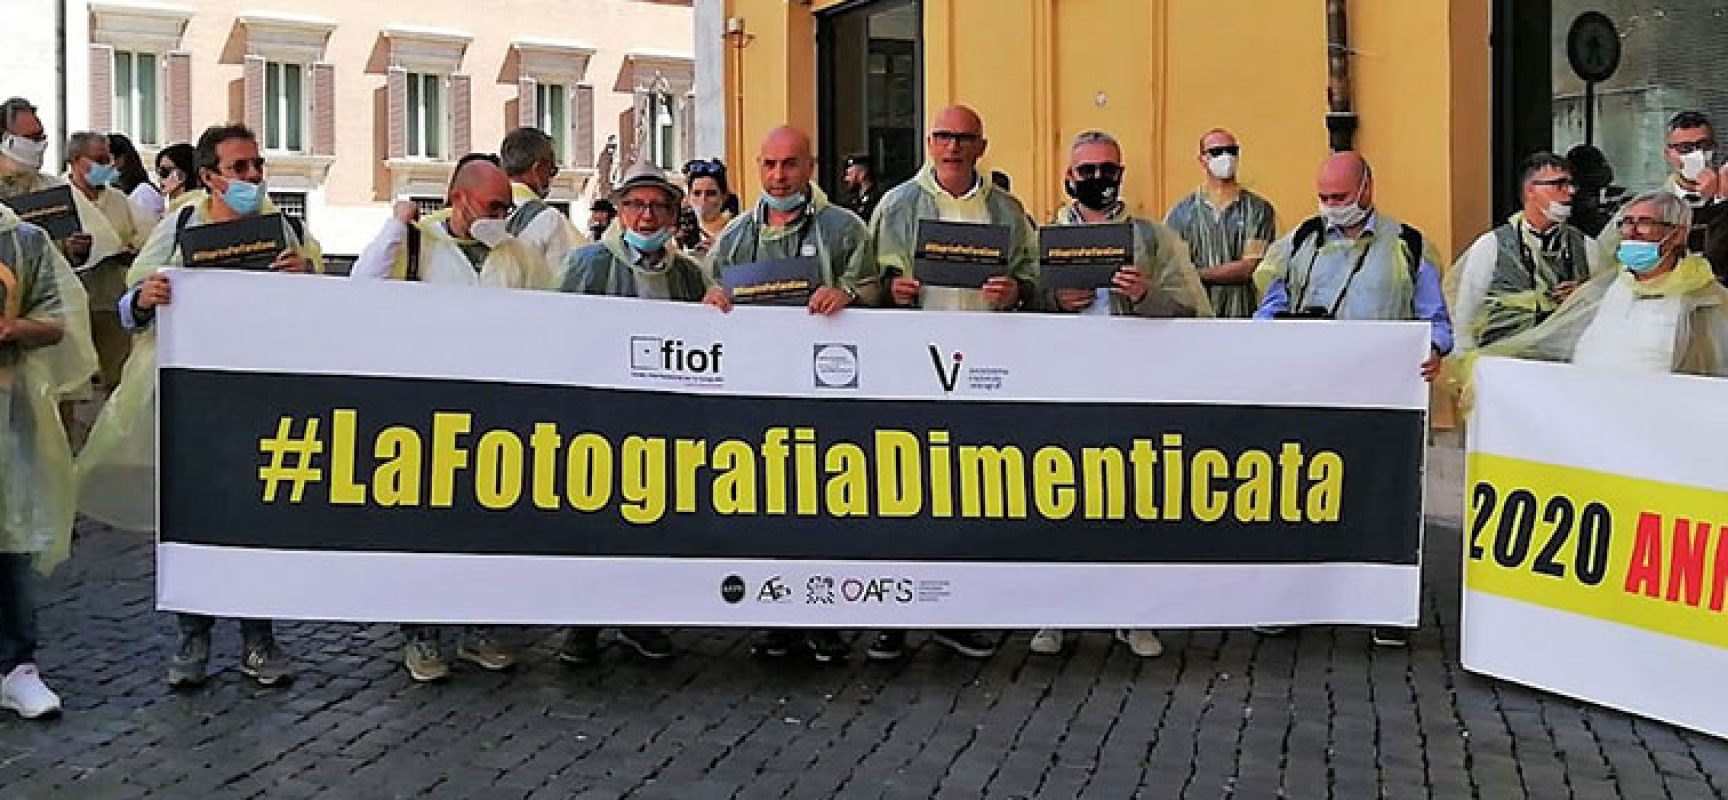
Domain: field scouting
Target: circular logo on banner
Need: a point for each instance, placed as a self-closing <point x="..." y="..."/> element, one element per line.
<point x="732" y="589"/>
<point x="836" y="366"/>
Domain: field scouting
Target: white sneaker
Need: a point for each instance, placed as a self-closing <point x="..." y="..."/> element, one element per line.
<point x="1142" y="643"/>
<point x="23" y="691"/>
<point x="1047" y="642"/>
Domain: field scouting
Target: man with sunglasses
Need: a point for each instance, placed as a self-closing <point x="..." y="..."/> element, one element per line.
<point x="949" y="188"/>
<point x="23" y="144"/>
<point x="233" y="173"/>
<point x="635" y="258"/>
<point x="1227" y="228"/>
<point x="468" y="243"/>
<point x="1351" y="262"/>
<point x="1694" y="177"/>
<point x="1514" y="276"/>
<point x="530" y="157"/>
<point x="1659" y="310"/>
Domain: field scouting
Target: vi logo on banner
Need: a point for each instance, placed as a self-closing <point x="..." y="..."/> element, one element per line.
<point x="948" y="374"/>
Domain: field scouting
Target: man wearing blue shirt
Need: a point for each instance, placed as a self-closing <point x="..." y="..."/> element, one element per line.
<point x="1352" y="262"/>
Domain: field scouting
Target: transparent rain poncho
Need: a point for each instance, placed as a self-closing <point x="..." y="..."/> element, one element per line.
<point x="1173" y="285"/>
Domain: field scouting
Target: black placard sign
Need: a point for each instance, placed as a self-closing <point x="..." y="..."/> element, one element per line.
<point x="1083" y="256"/>
<point x="962" y="255"/>
<point x="50" y="209"/>
<point x="775" y="282"/>
<point x="244" y="243"/>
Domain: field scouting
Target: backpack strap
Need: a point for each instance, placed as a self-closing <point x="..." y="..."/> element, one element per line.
<point x="524" y="216"/>
<point x="1310" y="228"/>
<point x="180" y="224"/>
<point x="413" y="271"/>
<point x="1413" y="240"/>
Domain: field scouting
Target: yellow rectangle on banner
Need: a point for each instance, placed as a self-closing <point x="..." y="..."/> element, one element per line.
<point x="1638" y="552"/>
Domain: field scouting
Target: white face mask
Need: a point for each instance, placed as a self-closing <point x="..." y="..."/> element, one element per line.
<point x="489" y="231"/>
<point x="1343" y="216"/>
<point x="27" y="152"/>
<point x="1222" y="167"/>
<point x="1557" y="211"/>
<point x="1693" y="164"/>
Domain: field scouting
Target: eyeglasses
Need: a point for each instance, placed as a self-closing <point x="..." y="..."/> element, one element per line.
<point x="1692" y="146"/>
<point x="639" y="206"/>
<point x="1564" y="183"/>
<point x="1643" y="226"/>
<point x="957" y="137"/>
<point x="1105" y="170"/>
<point x="1224" y="150"/>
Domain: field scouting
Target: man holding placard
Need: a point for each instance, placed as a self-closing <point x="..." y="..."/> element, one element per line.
<point x="989" y="228"/>
<point x="1100" y="260"/>
<point x="948" y="240"/>
<point x="113" y="238"/>
<point x="233" y="225"/>
<point x="794" y="247"/>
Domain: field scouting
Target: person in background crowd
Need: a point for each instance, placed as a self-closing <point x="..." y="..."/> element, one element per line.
<point x="1659" y="310"/>
<point x="229" y="164"/>
<point x="709" y="194"/>
<point x="530" y="158"/>
<point x="860" y="182"/>
<point x="111" y="227"/>
<point x="1690" y="151"/>
<point x="132" y="178"/>
<point x="949" y="188"/>
<point x="1226" y="227"/>
<point x="635" y="259"/>
<point x="1354" y="262"/>
<point x="1598" y="198"/>
<point x="600" y="215"/>
<point x="1514" y="276"/>
<point x="23" y="144"/>
<point x="45" y="353"/>
<point x="177" y="169"/>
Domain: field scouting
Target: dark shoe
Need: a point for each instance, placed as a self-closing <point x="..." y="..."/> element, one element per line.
<point x="649" y="642"/>
<point x="774" y="643"/>
<point x="581" y="647"/>
<point x="1391" y="637"/>
<point x="887" y="646"/>
<point x="265" y="663"/>
<point x="191" y="659"/>
<point x="827" y="647"/>
<point x="972" y="644"/>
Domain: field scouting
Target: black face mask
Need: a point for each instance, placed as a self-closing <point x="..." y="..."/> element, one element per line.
<point x="1098" y="194"/>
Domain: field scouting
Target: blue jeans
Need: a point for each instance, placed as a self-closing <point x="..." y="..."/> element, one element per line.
<point x="17" y="611"/>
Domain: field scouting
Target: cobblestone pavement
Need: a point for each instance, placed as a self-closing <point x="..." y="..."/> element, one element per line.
<point x="1314" y="714"/>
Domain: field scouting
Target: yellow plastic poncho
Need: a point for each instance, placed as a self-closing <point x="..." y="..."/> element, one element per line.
<point x="894" y="228"/>
<point x="116" y="470"/>
<point x="513" y="264"/>
<point x="1485" y="289"/>
<point x="38" y="500"/>
<point x="1173" y="286"/>
<point x="835" y="237"/>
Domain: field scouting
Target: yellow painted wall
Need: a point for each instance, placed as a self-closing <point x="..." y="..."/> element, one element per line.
<point x="1158" y="74"/>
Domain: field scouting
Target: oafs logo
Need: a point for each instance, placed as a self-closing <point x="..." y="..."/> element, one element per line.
<point x="732" y="589"/>
<point x="674" y="360"/>
<point x="835" y="365"/>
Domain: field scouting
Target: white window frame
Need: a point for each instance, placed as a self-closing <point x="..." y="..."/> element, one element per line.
<point x="662" y="133"/>
<point x="552" y="115"/>
<point x="277" y="140"/>
<point x="415" y="117"/>
<point x="131" y="106"/>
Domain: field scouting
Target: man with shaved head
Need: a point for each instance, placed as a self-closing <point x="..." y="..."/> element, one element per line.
<point x="466" y="244"/>
<point x="949" y="188"/>
<point x="1352" y="262"/>
<point x="793" y="219"/>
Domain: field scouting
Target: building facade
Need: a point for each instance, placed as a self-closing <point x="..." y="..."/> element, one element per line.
<point x="361" y="104"/>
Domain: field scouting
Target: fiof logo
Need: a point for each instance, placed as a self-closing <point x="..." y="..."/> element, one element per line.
<point x="668" y="359"/>
<point x="732" y="589"/>
<point x="948" y="374"/>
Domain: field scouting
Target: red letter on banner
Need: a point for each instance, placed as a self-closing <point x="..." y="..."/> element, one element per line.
<point x="1644" y="574"/>
<point x="1719" y="576"/>
<point x="1686" y="562"/>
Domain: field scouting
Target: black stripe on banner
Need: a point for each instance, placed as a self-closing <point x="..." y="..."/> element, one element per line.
<point x="444" y="466"/>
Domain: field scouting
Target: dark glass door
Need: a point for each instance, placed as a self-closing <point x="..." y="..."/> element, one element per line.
<point x="871" y="89"/>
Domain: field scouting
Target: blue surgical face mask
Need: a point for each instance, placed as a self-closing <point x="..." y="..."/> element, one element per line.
<point x="789" y="203"/>
<point x="244" y="197"/>
<point x="1639" y="257"/>
<point x="649" y="243"/>
<point x="99" y="175"/>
